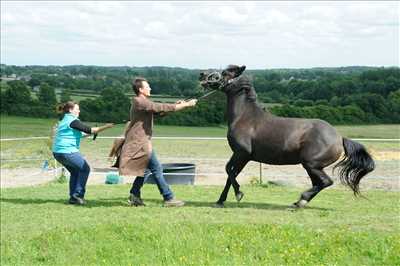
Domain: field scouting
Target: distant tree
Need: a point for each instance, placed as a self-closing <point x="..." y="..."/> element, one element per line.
<point x="47" y="95"/>
<point x="4" y="87"/>
<point x="18" y="92"/>
<point x="335" y="101"/>
<point x="5" y="70"/>
<point x="392" y="84"/>
<point x="164" y="86"/>
<point x="321" y="102"/>
<point x="274" y="95"/>
<point x="394" y="106"/>
<point x="371" y="103"/>
<point x="187" y="87"/>
<point x="354" y="94"/>
<point x="16" y="98"/>
<point x="273" y="76"/>
<point x="65" y="96"/>
<point x="303" y="103"/>
<point x="261" y="84"/>
<point x="33" y="82"/>
<point x="112" y="106"/>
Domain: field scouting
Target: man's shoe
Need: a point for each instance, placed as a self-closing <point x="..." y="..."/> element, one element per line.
<point x="135" y="201"/>
<point x="77" y="200"/>
<point x="72" y="201"/>
<point x="173" y="203"/>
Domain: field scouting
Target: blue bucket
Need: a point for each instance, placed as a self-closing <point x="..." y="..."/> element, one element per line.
<point x="113" y="178"/>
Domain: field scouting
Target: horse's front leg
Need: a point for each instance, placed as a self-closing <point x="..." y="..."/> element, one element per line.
<point x="233" y="168"/>
<point x="224" y="194"/>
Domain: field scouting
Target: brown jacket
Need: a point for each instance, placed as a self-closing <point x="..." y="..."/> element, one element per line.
<point x="136" y="150"/>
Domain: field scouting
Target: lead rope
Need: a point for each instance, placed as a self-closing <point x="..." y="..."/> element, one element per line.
<point x="204" y="96"/>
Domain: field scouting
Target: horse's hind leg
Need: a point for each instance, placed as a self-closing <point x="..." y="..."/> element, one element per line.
<point x="319" y="179"/>
<point x="233" y="168"/>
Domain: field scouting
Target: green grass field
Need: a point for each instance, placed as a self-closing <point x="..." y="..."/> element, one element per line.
<point x="38" y="228"/>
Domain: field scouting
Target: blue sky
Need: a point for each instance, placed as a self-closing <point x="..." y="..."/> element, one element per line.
<point x="196" y="34"/>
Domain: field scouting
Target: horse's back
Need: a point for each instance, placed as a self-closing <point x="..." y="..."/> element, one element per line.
<point x="282" y="140"/>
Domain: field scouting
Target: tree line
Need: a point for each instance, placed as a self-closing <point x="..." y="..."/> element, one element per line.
<point x="349" y="95"/>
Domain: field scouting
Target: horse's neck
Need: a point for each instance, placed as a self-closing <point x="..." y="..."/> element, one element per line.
<point x="237" y="106"/>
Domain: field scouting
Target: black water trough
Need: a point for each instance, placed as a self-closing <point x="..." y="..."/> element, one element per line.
<point x="177" y="173"/>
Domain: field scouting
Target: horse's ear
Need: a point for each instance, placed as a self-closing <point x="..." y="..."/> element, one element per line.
<point x="241" y="69"/>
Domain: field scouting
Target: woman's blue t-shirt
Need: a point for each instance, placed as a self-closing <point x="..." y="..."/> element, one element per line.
<point x="67" y="139"/>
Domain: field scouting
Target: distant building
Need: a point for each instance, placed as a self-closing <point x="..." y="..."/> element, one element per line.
<point x="13" y="77"/>
<point x="80" y="76"/>
<point x="25" y="78"/>
<point x="9" y="78"/>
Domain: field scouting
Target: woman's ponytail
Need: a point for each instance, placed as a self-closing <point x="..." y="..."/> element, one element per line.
<point x="64" y="108"/>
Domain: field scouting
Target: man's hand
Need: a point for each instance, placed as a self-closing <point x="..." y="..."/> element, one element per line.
<point x="96" y="130"/>
<point x="185" y="104"/>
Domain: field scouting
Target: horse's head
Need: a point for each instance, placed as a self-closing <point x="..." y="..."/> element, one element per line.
<point x="211" y="80"/>
<point x="217" y="81"/>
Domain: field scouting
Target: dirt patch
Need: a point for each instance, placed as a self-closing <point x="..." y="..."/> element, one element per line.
<point x="385" y="155"/>
<point x="24" y="177"/>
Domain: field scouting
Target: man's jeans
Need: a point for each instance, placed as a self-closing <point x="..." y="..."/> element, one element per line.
<point x="153" y="168"/>
<point x="79" y="170"/>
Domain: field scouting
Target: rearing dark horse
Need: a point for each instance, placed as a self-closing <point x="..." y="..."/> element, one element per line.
<point x="254" y="134"/>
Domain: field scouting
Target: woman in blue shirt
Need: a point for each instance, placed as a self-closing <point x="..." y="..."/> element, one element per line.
<point x="65" y="149"/>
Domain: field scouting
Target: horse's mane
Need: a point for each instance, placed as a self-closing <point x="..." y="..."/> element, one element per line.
<point x="251" y="95"/>
<point x="244" y="82"/>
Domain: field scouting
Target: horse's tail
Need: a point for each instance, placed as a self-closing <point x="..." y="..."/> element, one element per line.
<point x="356" y="163"/>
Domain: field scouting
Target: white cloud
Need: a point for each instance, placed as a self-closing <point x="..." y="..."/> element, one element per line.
<point x="156" y="29"/>
<point x="201" y="34"/>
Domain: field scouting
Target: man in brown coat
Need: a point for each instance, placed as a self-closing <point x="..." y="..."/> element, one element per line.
<point x="137" y="155"/>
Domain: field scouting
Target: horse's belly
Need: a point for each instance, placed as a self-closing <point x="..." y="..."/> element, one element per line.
<point x="276" y="157"/>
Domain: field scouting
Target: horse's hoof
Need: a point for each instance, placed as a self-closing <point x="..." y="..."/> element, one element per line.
<point x="301" y="203"/>
<point x="239" y="196"/>
<point x="298" y="205"/>
<point x="219" y="205"/>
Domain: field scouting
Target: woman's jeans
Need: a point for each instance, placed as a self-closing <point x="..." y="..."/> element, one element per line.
<point x="79" y="170"/>
<point x="154" y="168"/>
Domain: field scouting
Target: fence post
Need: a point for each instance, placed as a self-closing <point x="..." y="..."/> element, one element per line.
<point x="55" y="169"/>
